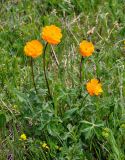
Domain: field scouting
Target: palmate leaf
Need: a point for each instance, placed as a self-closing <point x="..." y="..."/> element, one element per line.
<point x="68" y="114"/>
<point x="90" y="128"/>
<point x="93" y="124"/>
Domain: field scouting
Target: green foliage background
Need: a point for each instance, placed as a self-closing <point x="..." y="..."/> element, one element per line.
<point x="89" y="128"/>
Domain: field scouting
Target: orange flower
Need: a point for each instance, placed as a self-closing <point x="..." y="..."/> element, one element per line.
<point x="33" y="48"/>
<point x="86" y="48"/>
<point x="51" y="34"/>
<point x="94" y="87"/>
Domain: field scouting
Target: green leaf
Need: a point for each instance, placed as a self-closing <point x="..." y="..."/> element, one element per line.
<point x="2" y="120"/>
<point x="68" y="114"/>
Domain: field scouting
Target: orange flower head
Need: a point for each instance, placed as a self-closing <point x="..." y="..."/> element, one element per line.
<point x="86" y="48"/>
<point x="51" y="34"/>
<point x="33" y="48"/>
<point x="94" y="87"/>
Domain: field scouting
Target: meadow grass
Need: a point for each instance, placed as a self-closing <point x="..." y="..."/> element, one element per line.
<point x="85" y="128"/>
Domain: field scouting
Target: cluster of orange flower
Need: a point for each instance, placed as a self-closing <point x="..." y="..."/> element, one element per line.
<point x="52" y="35"/>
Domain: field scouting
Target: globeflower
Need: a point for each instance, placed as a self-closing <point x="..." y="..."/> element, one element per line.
<point x="86" y="48"/>
<point x="94" y="87"/>
<point x="52" y="34"/>
<point x="33" y="48"/>
<point x="23" y="137"/>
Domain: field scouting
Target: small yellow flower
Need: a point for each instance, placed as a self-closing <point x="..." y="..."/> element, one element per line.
<point x="94" y="87"/>
<point x="86" y="48"/>
<point x="45" y="146"/>
<point x="23" y="137"/>
<point x="52" y="34"/>
<point x="33" y="48"/>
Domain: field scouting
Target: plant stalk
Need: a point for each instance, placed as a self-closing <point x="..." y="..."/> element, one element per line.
<point x="80" y="76"/>
<point x="31" y="64"/>
<point x="80" y="72"/>
<point x="45" y="74"/>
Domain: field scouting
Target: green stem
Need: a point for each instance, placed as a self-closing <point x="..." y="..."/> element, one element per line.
<point x="45" y="74"/>
<point x="80" y="75"/>
<point x="31" y="64"/>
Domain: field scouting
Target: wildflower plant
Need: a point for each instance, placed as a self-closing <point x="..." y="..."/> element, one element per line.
<point x="33" y="49"/>
<point x="52" y="35"/>
<point x="86" y="49"/>
<point x="78" y="112"/>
